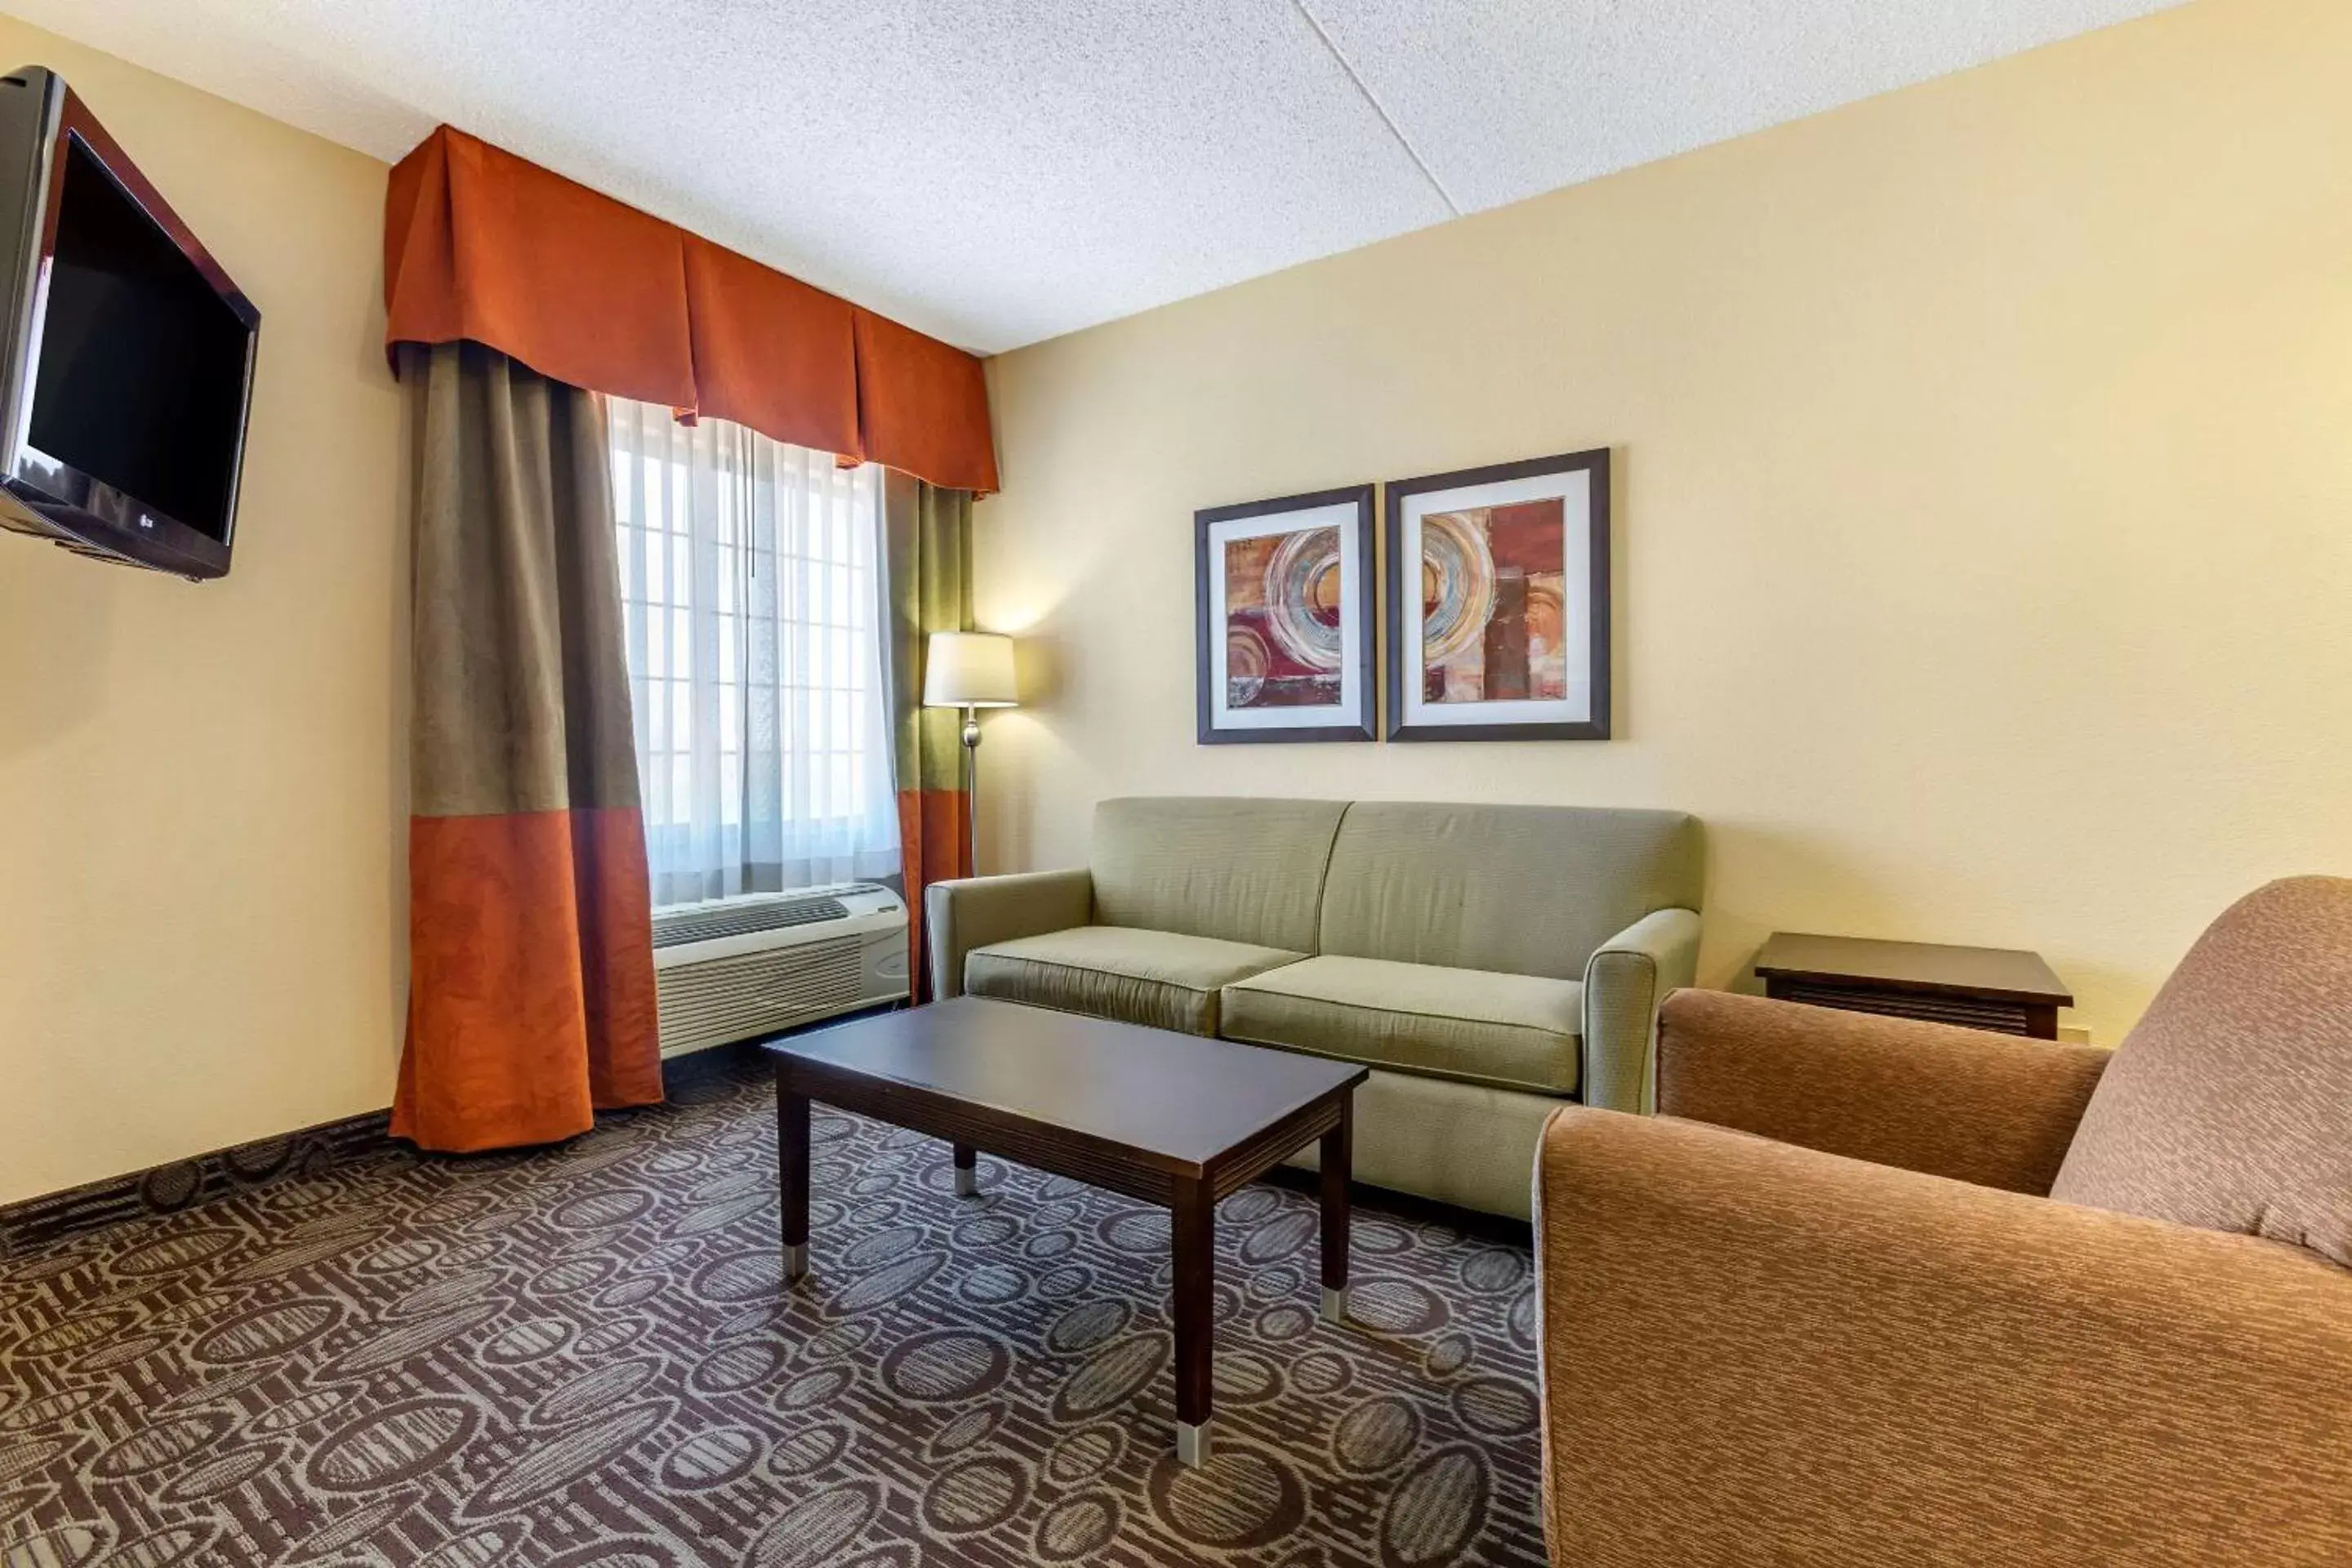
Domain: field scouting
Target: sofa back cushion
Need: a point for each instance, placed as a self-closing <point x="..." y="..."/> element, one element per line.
<point x="2230" y="1106"/>
<point x="1235" y="868"/>
<point x="1520" y="890"/>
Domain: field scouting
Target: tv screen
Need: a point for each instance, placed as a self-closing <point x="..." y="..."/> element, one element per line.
<point x="141" y="383"/>
<point x="126" y="352"/>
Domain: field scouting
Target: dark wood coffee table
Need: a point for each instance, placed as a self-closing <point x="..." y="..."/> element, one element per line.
<point x="1175" y="1119"/>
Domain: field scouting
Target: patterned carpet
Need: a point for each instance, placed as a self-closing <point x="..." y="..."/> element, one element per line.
<point x="582" y="1357"/>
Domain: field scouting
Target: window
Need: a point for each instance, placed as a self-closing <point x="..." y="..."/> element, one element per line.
<point x="753" y="594"/>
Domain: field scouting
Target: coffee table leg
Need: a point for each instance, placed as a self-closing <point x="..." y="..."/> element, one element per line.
<point x="792" y="1177"/>
<point x="967" y="1170"/>
<point x="1194" y="1229"/>
<point x="1338" y="1153"/>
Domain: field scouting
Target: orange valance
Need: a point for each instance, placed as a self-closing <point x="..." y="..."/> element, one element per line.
<point x="481" y="245"/>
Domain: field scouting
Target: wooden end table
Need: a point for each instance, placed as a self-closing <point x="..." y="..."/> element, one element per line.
<point x="1173" y="1120"/>
<point x="1995" y="988"/>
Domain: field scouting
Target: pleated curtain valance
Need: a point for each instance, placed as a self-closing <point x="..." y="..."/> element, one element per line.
<point x="485" y="246"/>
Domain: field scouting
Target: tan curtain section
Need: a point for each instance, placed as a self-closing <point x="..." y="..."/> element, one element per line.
<point x="530" y="945"/>
<point x="927" y="541"/>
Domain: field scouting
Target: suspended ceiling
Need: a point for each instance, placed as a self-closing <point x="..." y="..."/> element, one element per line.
<point x="997" y="172"/>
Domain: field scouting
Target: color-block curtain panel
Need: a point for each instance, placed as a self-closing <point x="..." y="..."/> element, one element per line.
<point x="530" y="998"/>
<point x="926" y="539"/>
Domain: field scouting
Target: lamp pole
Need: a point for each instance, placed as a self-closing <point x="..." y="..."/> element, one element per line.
<point x="972" y="786"/>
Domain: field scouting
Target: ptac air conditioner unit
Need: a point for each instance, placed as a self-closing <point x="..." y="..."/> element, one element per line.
<point x="737" y="969"/>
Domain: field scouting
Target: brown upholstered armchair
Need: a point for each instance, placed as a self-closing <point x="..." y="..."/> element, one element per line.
<point x="1830" y="1309"/>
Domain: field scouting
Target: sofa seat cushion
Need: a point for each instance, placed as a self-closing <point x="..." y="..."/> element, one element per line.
<point x="1154" y="977"/>
<point x="1509" y="1031"/>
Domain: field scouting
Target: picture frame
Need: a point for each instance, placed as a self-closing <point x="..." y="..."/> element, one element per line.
<point x="1506" y="570"/>
<point x="1283" y="619"/>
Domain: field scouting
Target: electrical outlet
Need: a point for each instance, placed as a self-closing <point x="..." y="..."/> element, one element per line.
<point x="2074" y="1034"/>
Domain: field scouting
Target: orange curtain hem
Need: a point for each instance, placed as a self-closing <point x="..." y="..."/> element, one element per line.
<point x="935" y="844"/>
<point x="514" y="1036"/>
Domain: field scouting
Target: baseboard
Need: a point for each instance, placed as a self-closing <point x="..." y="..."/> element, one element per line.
<point x="184" y="1184"/>
<point x="36" y="1222"/>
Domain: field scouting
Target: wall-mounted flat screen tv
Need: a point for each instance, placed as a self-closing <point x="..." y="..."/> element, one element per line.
<point x="126" y="354"/>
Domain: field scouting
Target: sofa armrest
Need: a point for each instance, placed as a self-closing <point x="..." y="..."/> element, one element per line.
<point x="1623" y="981"/>
<point x="972" y="911"/>
<point x="1753" y="1353"/>
<point x="1964" y="1103"/>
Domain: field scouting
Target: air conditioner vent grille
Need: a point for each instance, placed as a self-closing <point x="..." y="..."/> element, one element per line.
<point x="743" y="919"/>
<point x="722" y="1000"/>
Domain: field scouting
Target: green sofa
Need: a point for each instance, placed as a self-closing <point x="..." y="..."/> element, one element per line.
<point x="1486" y="962"/>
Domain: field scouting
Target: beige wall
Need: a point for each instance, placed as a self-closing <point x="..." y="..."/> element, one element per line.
<point x="1985" y="514"/>
<point x="202" y="788"/>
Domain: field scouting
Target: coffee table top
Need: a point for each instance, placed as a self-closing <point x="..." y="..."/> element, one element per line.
<point x="1172" y="1100"/>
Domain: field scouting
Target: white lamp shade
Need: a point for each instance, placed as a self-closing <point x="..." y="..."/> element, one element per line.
<point x="969" y="669"/>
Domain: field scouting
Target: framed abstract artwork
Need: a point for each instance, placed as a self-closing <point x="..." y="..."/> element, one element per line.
<point x="1284" y="592"/>
<point x="1498" y="602"/>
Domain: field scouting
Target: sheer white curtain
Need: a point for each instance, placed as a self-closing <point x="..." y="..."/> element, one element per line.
<point x="752" y="585"/>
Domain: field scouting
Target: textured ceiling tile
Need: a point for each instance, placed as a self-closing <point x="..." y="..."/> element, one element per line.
<point x="1000" y="170"/>
<point x="1538" y="94"/>
<point x="992" y="173"/>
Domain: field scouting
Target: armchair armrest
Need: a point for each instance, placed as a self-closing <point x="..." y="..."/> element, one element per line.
<point x="1623" y="981"/>
<point x="1753" y="1353"/>
<point x="1964" y="1103"/>
<point x="972" y="911"/>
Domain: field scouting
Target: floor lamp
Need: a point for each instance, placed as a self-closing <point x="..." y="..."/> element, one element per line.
<point x="969" y="671"/>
